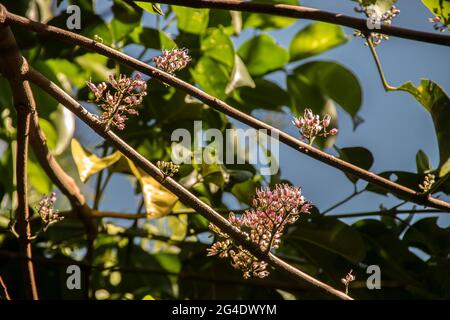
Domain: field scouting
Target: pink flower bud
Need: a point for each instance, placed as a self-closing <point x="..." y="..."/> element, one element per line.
<point x="333" y="131"/>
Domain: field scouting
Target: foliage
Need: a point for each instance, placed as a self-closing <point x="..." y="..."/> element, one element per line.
<point x="160" y="256"/>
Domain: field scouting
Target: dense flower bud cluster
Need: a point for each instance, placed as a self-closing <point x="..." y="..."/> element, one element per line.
<point x="125" y="95"/>
<point x="311" y="126"/>
<point x="172" y="60"/>
<point x="47" y="211"/>
<point x="347" y="279"/>
<point x="168" y="168"/>
<point x="264" y="225"/>
<point x="375" y="19"/>
<point x="428" y="182"/>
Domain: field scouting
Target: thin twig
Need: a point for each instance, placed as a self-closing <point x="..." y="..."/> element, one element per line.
<point x="301" y="12"/>
<point x="5" y="294"/>
<point x="395" y="188"/>
<point x="386" y="85"/>
<point x="386" y="212"/>
<point x="181" y="192"/>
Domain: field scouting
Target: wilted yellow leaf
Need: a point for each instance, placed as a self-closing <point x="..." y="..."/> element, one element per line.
<point x="158" y="200"/>
<point x="88" y="163"/>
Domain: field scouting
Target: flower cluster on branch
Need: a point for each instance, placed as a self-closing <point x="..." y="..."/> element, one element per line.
<point x="311" y="126"/>
<point x="172" y="60"/>
<point x="122" y="98"/>
<point x="375" y="19"/>
<point x="264" y="225"/>
<point x="47" y="211"/>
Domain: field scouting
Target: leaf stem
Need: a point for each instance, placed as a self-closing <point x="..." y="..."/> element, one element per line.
<point x="386" y="85"/>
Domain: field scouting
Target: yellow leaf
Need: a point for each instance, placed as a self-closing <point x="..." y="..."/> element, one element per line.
<point x="158" y="200"/>
<point x="88" y="163"/>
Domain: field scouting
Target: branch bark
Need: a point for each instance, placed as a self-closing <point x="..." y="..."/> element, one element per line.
<point x="219" y="105"/>
<point x="301" y="12"/>
<point x="181" y="192"/>
<point x="11" y="65"/>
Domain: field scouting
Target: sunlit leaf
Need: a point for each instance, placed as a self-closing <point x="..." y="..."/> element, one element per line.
<point x="88" y="163"/>
<point x="158" y="200"/>
<point x="192" y="20"/>
<point x="262" y="54"/>
<point x="440" y="8"/>
<point x="315" y="39"/>
<point x="154" y="8"/>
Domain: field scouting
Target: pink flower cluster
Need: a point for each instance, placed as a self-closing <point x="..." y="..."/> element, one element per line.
<point x="311" y="126"/>
<point x="125" y="95"/>
<point x="376" y="19"/>
<point x="172" y="60"/>
<point x="47" y="211"/>
<point x="438" y="24"/>
<point x="264" y="225"/>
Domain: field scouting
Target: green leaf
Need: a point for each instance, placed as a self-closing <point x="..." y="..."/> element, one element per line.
<point x="245" y="191"/>
<point x="330" y="234"/>
<point x="357" y="156"/>
<point x="217" y="45"/>
<point x="154" y="8"/>
<point x="126" y="18"/>
<point x="211" y="76"/>
<point x="262" y="55"/>
<point x="192" y="20"/>
<point x="264" y="95"/>
<point x="334" y="81"/>
<point x="437" y="102"/>
<point x="267" y="21"/>
<point x="422" y="162"/>
<point x="316" y="38"/>
<point x="426" y="235"/>
<point x="152" y="38"/>
<point x="440" y="8"/>
<point x="38" y="178"/>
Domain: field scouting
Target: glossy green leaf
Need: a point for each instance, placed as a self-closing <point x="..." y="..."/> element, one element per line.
<point x="192" y="20"/>
<point x="264" y="95"/>
<point x="437" y="102"/>
<point x="261" y="55"/>
<point x="315" y="39"/>
<point x="217" y="45"/>
<point x="423" y="162"/>
<point x="152" y="38"/>
<point x="154" y="8"/>
<point x="333" y="81"/>
<point x="211" y="76"/>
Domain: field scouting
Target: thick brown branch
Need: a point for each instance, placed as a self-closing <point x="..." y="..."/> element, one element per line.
<point x="181" y="192"/>
<point x="394" y="188"/>
<point x="301" y="12"/>
<point x="10" y="66"/>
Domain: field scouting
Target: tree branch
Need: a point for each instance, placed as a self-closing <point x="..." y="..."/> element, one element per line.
<point x="301" y="12"/>
<point x="5" y="294"/>
<point x="396" y="189"/>
<point x="181" y="192"/>
<point x="11" y="66"/>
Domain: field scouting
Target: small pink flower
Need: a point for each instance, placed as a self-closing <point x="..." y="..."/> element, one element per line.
<point x="172" y="61"/>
